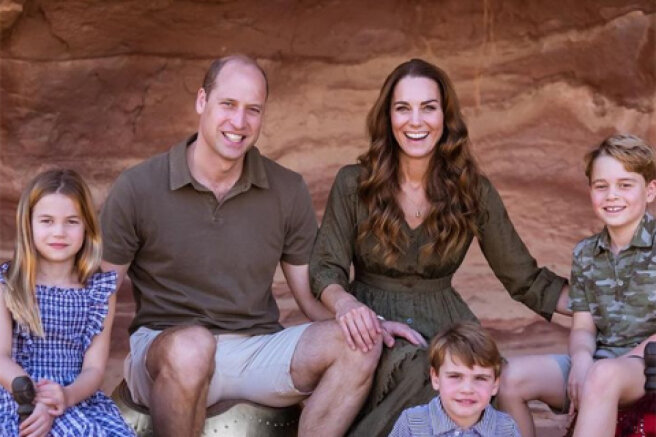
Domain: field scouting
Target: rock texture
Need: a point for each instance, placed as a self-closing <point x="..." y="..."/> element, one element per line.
<point x="101" y="85"/>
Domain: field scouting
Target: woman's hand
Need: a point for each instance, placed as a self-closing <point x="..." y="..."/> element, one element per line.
<point x="398" y="329"/>
<point x="359" y="323"/>
<point x="581" y="364"/>
<point x="38" y="424"/>
<point x="52" y="394"/>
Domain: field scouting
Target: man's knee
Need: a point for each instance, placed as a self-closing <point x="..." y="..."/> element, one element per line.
<point x="183" y="353"/>
<point x="363" y="363"/>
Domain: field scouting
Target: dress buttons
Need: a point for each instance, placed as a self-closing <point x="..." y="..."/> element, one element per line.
<point x="620" y="282"/>
<point x="409" y="320"/>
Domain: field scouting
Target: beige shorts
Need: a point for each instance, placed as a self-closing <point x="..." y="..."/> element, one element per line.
<point x="255" y="368"/>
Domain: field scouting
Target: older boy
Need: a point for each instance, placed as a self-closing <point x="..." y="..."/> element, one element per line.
<point x="612" y="295"/>
<point x="465" y="368"/>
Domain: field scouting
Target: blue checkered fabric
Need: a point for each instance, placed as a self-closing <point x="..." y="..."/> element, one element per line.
<point x="71" y="317"/>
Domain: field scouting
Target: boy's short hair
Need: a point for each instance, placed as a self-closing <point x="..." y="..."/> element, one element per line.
<point x="467" y="342"/>
<point x="634" y="153"/>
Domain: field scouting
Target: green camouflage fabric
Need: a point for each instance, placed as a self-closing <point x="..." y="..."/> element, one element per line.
<point x="618" y="290"/>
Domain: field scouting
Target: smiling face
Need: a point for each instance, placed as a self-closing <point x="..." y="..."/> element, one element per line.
<point x="416" y="116"/>
<point x="57" y="228"/>
<point x="464" y="391"/>
<point x="619" y="197"/>
<point x="231" y="115"/>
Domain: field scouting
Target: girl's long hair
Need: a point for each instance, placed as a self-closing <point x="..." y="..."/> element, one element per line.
<point x="451" y="182"/>
<point x="21" y="277"/>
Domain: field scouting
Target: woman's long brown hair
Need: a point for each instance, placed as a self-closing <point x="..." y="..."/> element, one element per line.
<point x="451" y="182"/>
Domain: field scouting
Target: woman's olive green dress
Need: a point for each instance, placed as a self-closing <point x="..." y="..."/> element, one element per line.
<point x="417" y="291"/>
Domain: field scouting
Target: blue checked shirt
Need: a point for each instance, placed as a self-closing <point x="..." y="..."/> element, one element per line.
<point x="430" y="420"/>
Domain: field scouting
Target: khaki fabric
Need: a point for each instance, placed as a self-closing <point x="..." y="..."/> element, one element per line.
<point x="194" y="260"/>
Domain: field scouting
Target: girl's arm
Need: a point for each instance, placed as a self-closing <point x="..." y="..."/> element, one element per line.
<point x="8" y="367"/>
<point x="298" y="279"/>
<point x="91" y="376"/>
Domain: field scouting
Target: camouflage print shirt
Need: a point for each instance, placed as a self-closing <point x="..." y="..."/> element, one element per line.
<point x="618" y="290"/>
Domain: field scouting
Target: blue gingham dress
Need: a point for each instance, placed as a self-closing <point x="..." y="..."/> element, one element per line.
<point x="71" y="317"/>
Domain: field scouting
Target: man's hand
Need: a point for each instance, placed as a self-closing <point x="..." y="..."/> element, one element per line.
<point x="398" y="329"/>
<point x="38" y="424"/>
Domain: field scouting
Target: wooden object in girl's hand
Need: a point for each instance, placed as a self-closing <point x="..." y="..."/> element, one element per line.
<point x="23" y="391"/>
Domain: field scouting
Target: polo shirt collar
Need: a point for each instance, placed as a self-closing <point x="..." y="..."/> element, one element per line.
<point x="253" y="172"/>
<point x="643" y="236"/>
<point x="443" y="424"/>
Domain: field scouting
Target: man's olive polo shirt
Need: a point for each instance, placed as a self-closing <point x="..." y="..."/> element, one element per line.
<point x="194" y="260"/>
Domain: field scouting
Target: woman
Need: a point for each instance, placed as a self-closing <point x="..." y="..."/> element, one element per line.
<point x="405" y="217"/>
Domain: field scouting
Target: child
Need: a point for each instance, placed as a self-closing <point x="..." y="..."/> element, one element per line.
<point x="612" y="295"/>
<point x="56" y="314"/>
<point x="465" y="366"/>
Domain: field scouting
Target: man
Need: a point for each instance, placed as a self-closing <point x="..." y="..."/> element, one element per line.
<point x="200" y="230"/>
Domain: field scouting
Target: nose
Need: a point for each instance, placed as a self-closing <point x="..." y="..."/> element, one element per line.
<point x="59" y="229"/>
<point x="415" y="118"/>
<point x="239" y="118"/>
<point x="467" y="386"/>
<point x="612" y="192"/>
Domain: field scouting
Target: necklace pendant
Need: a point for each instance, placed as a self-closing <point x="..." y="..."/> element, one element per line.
<point x="418" y="214"/>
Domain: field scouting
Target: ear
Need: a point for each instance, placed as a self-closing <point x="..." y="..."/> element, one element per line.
<point x="201" y="100"/>
<point x="651" y="190"/>
<point x="435" y="379"/>
<point x="495" y="387"/>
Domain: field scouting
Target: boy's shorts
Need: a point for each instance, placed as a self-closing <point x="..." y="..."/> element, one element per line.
<point x="251" y="367"/>
<point x="565" y="364"/>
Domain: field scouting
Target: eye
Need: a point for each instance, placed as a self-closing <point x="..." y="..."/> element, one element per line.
<point x="73" y="221"/>
<point x="227" y="104"/>
<point x="255" y="110"/>
<point x="599" y="186"/>
<point x="430" y="108"/>
<point x="46" y="221"/>
<point x="626" y="185"/>
<point x="401" y="108"/>
<point x="482" y="378"/>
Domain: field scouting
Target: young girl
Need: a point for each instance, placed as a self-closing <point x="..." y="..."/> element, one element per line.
<point x="56" y="314"/>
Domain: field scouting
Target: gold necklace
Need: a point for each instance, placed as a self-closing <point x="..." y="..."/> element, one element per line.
<point x="418" y="209"/>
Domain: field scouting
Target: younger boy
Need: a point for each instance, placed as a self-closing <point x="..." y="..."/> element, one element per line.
<point x="465" y="366"/>
<point x="612" y="296"/>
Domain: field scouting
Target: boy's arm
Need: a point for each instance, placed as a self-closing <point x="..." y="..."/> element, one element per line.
<point x="298" y="279"/>
<point x="9" y="369"/>
<point x="582" y="346"/>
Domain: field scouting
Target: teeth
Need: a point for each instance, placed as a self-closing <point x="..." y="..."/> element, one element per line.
<point x="416" y="135"/>
<point x="233" y="137"/>
<point x="614" y="208"/>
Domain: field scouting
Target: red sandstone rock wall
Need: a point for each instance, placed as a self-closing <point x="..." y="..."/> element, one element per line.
<point x="101" y="85"/>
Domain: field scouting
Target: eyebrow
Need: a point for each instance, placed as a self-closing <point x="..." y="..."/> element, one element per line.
<point x="425" y="102"/>
<point x="630" y="179"/>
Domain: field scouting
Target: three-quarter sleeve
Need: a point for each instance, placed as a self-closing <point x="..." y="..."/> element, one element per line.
<point x="537" y="288"/>
<point x="332" y="254"/>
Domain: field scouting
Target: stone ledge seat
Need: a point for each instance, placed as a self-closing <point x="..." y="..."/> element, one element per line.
<point x="229" y="418"/>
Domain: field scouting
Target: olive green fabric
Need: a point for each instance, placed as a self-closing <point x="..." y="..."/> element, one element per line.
<point x="416" y="290"/>
<point x="618" y="290"/>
